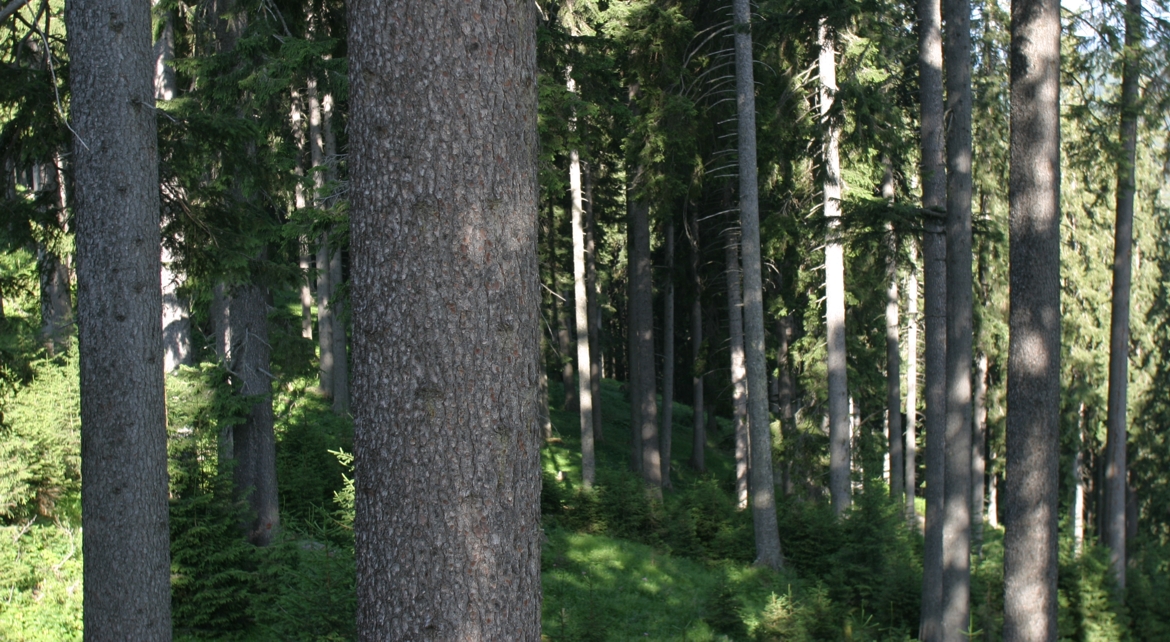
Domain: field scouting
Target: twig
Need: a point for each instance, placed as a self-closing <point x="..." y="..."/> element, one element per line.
<point x="11" y="8"/>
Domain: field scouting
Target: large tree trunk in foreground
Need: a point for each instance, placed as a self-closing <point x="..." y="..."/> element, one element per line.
<point x="957" y="487"/>
<point x="1115" y="454"/>
<point x="445" y="308"/>
<point x="125" y="544"/>
<point x="934" y="191"/>
<point x="763" y="486"/>
<point x="839" y="433"/>
<point x="254" y="441"/>
<point x="1033" y="373"/>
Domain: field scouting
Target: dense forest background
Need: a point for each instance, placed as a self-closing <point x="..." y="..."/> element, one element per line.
<point x="638" y="130"/>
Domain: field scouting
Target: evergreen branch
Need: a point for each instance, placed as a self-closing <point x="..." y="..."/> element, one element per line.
<point x="11" y="8"/>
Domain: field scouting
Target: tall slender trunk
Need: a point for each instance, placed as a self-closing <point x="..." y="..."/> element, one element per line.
<point x="325" y="325"/>
<point x="126" y="561"/>
<point x="738" y="369"/>
<point x="785" y="394"/>
<point x="300" y="202"/>
<point x="960" y="329"/>
<point x="1033" y="371"/>
<point x="698" y="353"/>
<point x="934" y="194"/>
<point x="893" y="349"/>
<point x="336" y="274"/>
<point x="581" y="310"/>
<point x="978" y="448"/>
<point x="763" y="486"/>
<point x="642" y="377"/>
<point x="1078" y="484"/>
<point x="52" y="263"/>
<point x="254" y="443"/>
<point x="667" y="433"/>
<point x="911" y="455"/>
<point x="839" y="434"/>
<point x="594" y="306"/>
<point x="1115" y="421"/>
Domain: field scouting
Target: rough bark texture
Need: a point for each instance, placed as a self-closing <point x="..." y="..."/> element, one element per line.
<point x="643" y="383"/>
<point x="668" y="358"/>
<point x="1033" y="373"/>
<point x="957" y="487"/>
<point x="125" y="545"/>
<point x="738" y="369"/>
<point x="1115" y="421"/>
<point x="839" y="437"/>
<point x="446" y="312"/>
<point x="763" y="486"/>
<point x="253" y="442"/>
<point x="911" y="455"/>
<point x="930" y="65"/>
<point x="698" y="356"/>
<point x="581" y="314"/>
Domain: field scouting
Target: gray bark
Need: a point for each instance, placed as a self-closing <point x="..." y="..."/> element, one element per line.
<point x="336" y="277"/>
<point x="738" y="369"/>
<point x="1078" y="484"/>
<point x="581" y="313"/>
<point x="930" y="67"/>
<point x="1115" y="421"/>
<point x="763" y="486"/>
<point x="125" y="545"/>
<point x="957" y="487"/>
<point x="445" y="308"/>
<point x="839" y="433"/>
<point x="978" y="448"/>
<point x="667" y="433"/>
<point x="164" y="52"/>
<point x="221" y="322"/>
<point x="643" y="383"/>
<point x="893" y="349"/>
<point x="253" y="442"/>
<point x="594" y="307"/>
<point x="698" y="360"/>
<point x="1033" y="372"/>
<point x="911" y="455"/>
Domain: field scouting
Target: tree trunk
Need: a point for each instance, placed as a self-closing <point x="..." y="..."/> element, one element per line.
<point x="1078" y="484"/>
<point x="911" y="455"/>
<point x="934" y="193"/>
<point x="957" y="486"/>
<point x="1033" y="372"/>
<point x="325" y="325"/>
<point x="221" y="322"/>
<point x="667" y="433"/>
<point x="839" y="434"/>
<point x="738" y="369"/>
<point x="336" y="275"/>
<point x="126" y="547"/>
<point x="581" y="310"/>
<point x="445" y="307"/>
<point x="300" y="202"/>
<point x="786" y="393"/>
<point x="893" y="348"/>
<point x="1116" y="429"/>
<point x="698" y="354"/>
<point x="643" y="382"/>
<point x="978" y="448"/>
<point x="763" y="486"/>
<point x="594" y="306"/>
<point x="254" y="442"/>
<point x="53" y="263"/>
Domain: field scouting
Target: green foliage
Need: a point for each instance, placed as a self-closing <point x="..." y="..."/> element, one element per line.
<point x="40" y="442"/>
<point x="40" y="582"/>
<point x="309" y="472"/>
